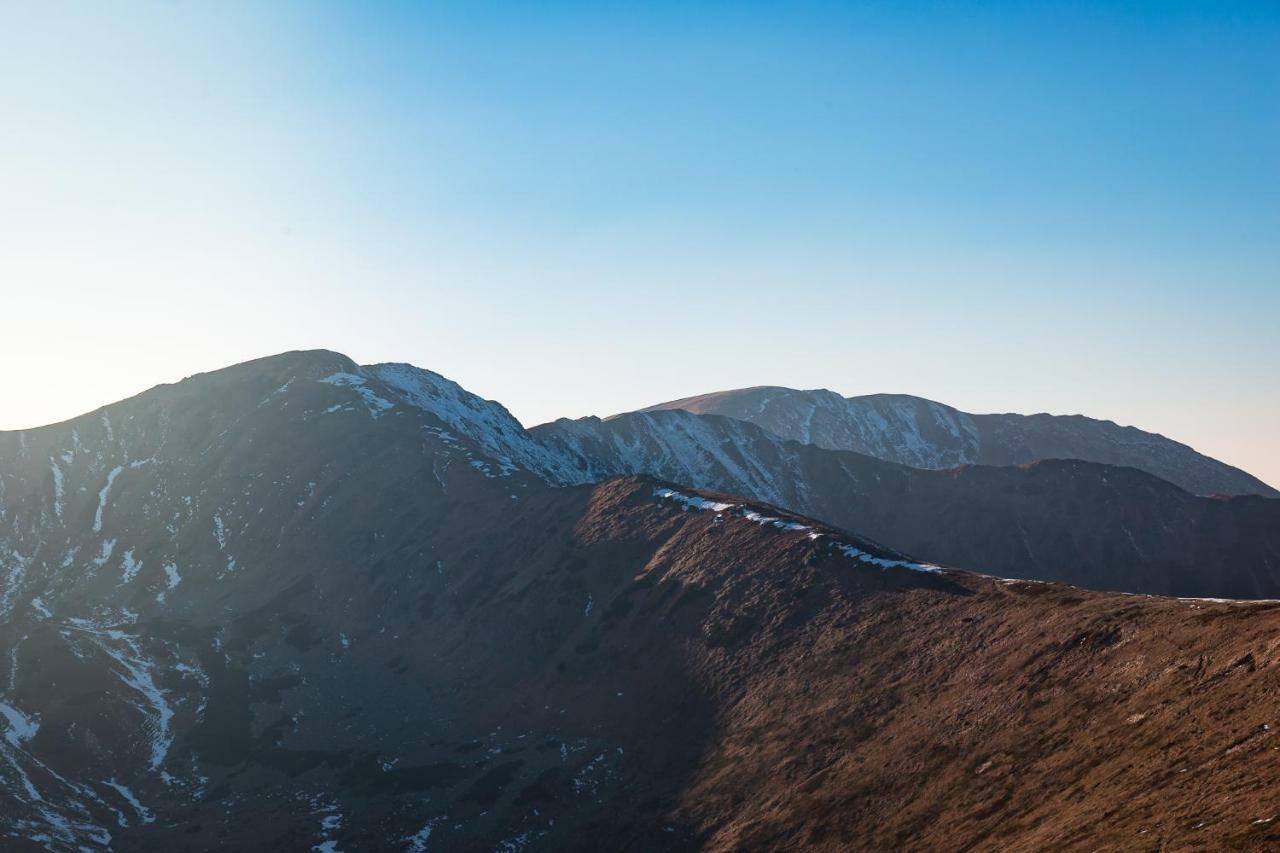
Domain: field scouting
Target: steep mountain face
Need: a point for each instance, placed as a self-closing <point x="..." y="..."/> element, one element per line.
<point x="179" y="597"/>
<point x="924" y="434"/>
<point x="301" y="604"/>
<point x="1093" y="525"/>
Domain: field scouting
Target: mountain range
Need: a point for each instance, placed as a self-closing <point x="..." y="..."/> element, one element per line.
<point x="1100" y="526"/>
<point x="924" y="434"/>
<point x="304" y="604"/>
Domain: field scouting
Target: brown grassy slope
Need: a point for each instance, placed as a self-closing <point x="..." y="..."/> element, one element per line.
<point x="869" y="709"/>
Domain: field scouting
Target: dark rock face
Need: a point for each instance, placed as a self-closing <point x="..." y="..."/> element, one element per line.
<point x="302" y="604"/>
<point x="924" y="434"/>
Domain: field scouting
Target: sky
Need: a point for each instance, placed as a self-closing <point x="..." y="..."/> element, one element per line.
<point x="583" y="208"/>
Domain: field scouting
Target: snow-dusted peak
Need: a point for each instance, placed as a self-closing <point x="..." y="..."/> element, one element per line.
<point x="500" y="436"/>
<point x="926" y="434"/>
<point x="903" y="429"/>
<point x="708" y="451"/>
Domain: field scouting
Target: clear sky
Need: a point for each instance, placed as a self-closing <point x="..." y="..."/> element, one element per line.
<point x="583" y="208"/>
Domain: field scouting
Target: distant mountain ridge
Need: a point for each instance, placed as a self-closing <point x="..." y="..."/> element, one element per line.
<point x="926" y="434"/>
<point x="1089" y="524"/>
<point x="1094" y="525"/>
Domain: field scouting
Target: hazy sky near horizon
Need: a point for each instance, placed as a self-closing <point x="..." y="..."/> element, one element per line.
<point x="582" y="208"/>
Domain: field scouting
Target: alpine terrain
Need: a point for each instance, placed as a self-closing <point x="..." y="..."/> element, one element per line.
<point x="1101" y="526"/>
<point x="302" y="604"/>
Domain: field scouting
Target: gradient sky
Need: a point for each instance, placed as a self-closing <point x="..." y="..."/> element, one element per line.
<point x="583" y="208"/>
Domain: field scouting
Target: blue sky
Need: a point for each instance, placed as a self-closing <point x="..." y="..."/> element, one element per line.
<point x="582" y="208"/>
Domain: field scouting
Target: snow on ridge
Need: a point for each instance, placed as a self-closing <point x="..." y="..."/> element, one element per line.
<point x="1230" y="600"/>
<point x="758" y="518"/>
<point x="1194" y="601"/>
<point x="501" y="437"/>
<point x="671" y="444"/>
<point x="894" y="428"/>
<point x="694" y="442"/>
<point x="703" y="504"/>
<point x="908" y="430"/>
<point x="693" y="502"/>
<point x="884" y="563"/>
<point x="375" y="404"/>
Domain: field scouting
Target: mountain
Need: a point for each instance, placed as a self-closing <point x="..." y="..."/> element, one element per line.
<point x="303" y="604"/>
<point x="1099" y="526"/>
<point x="925" y="434"/>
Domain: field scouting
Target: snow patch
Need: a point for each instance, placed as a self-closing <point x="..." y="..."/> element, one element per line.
<point x="102" y="497"/>
<point x="417" y="843"/>
<point x="129" y="566"/>
<point x="376" y="405"/>
<point x="144" y="814"/>
<point x="704" y="504"/>
<point x="691" y="501"/>
<point x="57" y="487"/>
<point x="108" y="546"/>
<point x="884" y="563"/>
<point x="758" y="518"/>
<point x="21" y="727"/>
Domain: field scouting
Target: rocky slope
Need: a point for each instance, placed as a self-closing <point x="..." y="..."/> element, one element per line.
<point x="1098" y="526"/>
<point x="298" y="604"/>
<point x="925" y="434"/>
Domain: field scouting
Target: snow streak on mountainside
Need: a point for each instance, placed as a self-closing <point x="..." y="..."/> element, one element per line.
<point x="501" y="438"/>
<point x="709" y="453"/>
<point x="925" y="434"/>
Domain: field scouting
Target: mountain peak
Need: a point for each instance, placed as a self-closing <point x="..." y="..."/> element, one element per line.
<point x="486" y="422"/>
<point x="923" y="433"/>
<point x="303" y="364"/>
